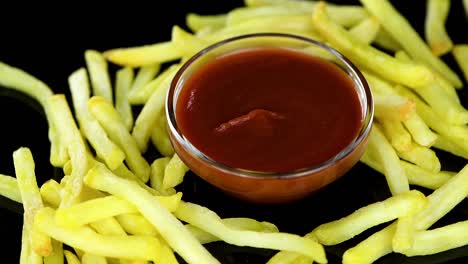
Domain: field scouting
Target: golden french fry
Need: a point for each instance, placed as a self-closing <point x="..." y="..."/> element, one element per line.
<point x="366" y="31"/>
<point x="144" y="55"/>
<point x="9" y="188"/>
<point x="169" y="227"/>
<point x="419" y="131"/>
<point x="196" y="22"/>
<point x="434" y="26"/>
<point x="409" y="74"/>
<point x="452" y="146"/>
<point x="145" y="75"/>
<point x="50" y="193"/>
<point x="338" y="231"/>
<point x="402" y="31"/>
<point x="147" y="119"/>
<point x="84" y="238"/>
<point x="107" y="226"/>
<point x="135" y="224"/>
<point x="210" y="222"/>
<point x="71" y="258"/>
<point x="92" y="130"/>
<point x="56" y="257"/>
<point x="460" y="53"/>
<point x="157" y="173"/>
<point x="123" y="83"/>
<point x="125" y="173"/>
<point x="396" y="134"/>
<point x="174" y="172"/>
<point x="160" y="137"/>
<point x="422" y="156"/>
<point x="28" y="255"/>
<point x="393" y="107"/>
<point x="110" y="120"/>
<point x="100" y="80"/>
<point x="32" y="201"/>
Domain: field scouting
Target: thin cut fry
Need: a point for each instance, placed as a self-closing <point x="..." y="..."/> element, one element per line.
<point x="145" y="75"/>
<point x="110" y="120"/>
<point x="422" y="156"/>
<point x="460" y="53"/>
<point x="419" y="131"/>
<point x="157" y="173"/>
<point x="174" y="172"/>
<point x="136" y="224"/>
<point x="93" y="259"/>
<point x="385" y="41"/>
<point x="56" y="257"/>
<point x="210" y="222"/>
<point x="404" y="232"/>
<point x="107" y="227"/>
<point x="455" y="147"/>
<point x="434" y="26"/>
<point x="398" y="136"/>
<point x="393" y="107"/>
<point x="123" y="83"/>
<point x="32" y="202"/>
<point x="409" y="74"/>
<point x="338" y="231"/>
<point x="9" y="188"/>
<point x="366" y="31"/>
<point x="171" y="229"/>
<point x="71" y="258"/>
<point x="160" y="137"/>
<point x="100" y="80"/>
<point x="402" y="31"/>
<point x="50" y="192"/>
<point x="196" y="22"/>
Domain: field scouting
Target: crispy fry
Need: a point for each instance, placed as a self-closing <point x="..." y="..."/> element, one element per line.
<point x="460" y="53"/>
<point x="9" y="188"/>
<point x="110" y="120"/>
<point x="31" y="197"/>
<point x="123" y="83"/>
<point x="393" y="107"/>
<point x="92" y="130"/>
<point x="160" y="137"/>
<point x="397" y="135"/>
<point x="404" y="232"/>
<point x="144" y="55"/>
<point x="174" y="172"/>
<point x="401" y="30"/>
<point x="50" y="193"/>
<point x="419" y="131"/>
<point x="335" y="232"/>
<point x="410" y="74"/>
<point x="366" y="31"/>
<point x="135" y="224"/>
<point x="171" y="229"/>
<point x="210" y="222"/>
<point x="84" y="238"/>
<point x="434" y="26"/>
<point x="100" y="80"/>
<point x="422" y="156"/>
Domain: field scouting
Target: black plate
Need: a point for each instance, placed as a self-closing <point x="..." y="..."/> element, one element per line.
<point x="49" y="41"/>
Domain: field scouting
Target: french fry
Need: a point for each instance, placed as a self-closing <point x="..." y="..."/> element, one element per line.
<point x="50" y="193"/>
<point x="27" y="255"/>
<point x="32" y="201"/>
<point x="144" y="55"/>
<point x="385" y="41"/>
<point x="141" y="94"/>
<point x="284" y="257"/>
<point x="100" y="208"/>
<point x="157" y="173"/>
<point x="76" y="148"/>
<point x="397" y="135"/>
<point x="409" y="74"/>
<point x="145" y="75"/>
<point x="107" y="226"/>
<point x="169" y="227"/>
<point x="210" y="222"/>
<point x="419" y="131"/>
<point x="434" y="26"/>
<point x="93" y="259"/>
<point x="9" y="188"/>
<point x="160" y="137"/>
<point x="123" y="83"/>
<point x="386" y="155"/>
<point x="422" y="156"/>
<point x="125" y="173"/>
<point x="71" y="258"/>
<point x="401" y="30"/>
<point x="84" y="238"/>
<point x="366" y="31"/>
<point x="174" y="172"/>
<point x="146" y="120"/>
<point x="110" y="120"/>
<point x="56" y="257"/>
<point x="460" y="53"/>
<point x="404" y="232"/>
<point x="92" y="130"/>
<point x="393" y="107"/>
<point x="99" y="75"/>
<point x="449" y="145"/>
<point x="135" y="224"/>
<point x="196" y="22"/>
<point x="338" y="231"/>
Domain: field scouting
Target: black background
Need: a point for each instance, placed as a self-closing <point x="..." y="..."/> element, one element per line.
<point x="48" y="41"/>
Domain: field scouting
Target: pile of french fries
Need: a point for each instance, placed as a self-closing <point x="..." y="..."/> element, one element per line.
<point x="114" y="206"/>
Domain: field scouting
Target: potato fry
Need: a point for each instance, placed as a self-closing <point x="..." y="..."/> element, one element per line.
<point x="135" y="224"/>
<point x="434" y="26"/>
<point x="145" y="55"/>
<point x="404" y="232"/>
<point x="338" y="231"/>
<point x="92" y="130"/>
<point x="145" y="75"/>
<point x="385" y="41"/>
<point x="76" y="148"/>
<point x="110" y="120"/>
<point x="422" y="156"/>
<point x="409" y="74"/>
<point x="419" y="131"/>
<point x="402" y="31"/>
<point x="460" y="53"/>
<point x="93" y="259"/>
<point x="366" y="31"/>
<point x="456" y="148"/>
<point x="9" y="188"/>
<point x="174" y="172"/>
<point x="56" y="257"/>
<point x="157" y="173"/>
<point x="171" y="229"/>
<point x="386" y="155"/>
<point x="141" y="94"/>
<point x="196" y="22"/>
<point x="27" y="255"/>
<point x="71" y="258"/>
<point x="123" y="83"/>
<point x="99" y="75"/>
<point x="210" y="222"/>
<point x="397" y="135"/>
<point x="393" y="107"/>
<point x="50" y="193"/>
<point x="31" y="197"/>
<point x="160" y="137"/>
<point x="147" y="119"/>
<point x="124" y="172"/>
<point x="284" y="257"/>
<point x="84" y="238"/>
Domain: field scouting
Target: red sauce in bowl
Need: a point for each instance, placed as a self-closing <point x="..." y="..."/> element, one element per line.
<point x="269" y="110"/>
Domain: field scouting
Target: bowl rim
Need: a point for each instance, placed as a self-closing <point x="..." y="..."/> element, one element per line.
<point x="356" y="75"/>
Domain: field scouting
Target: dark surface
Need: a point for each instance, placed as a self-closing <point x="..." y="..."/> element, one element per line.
<point x="49" y="41"/>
